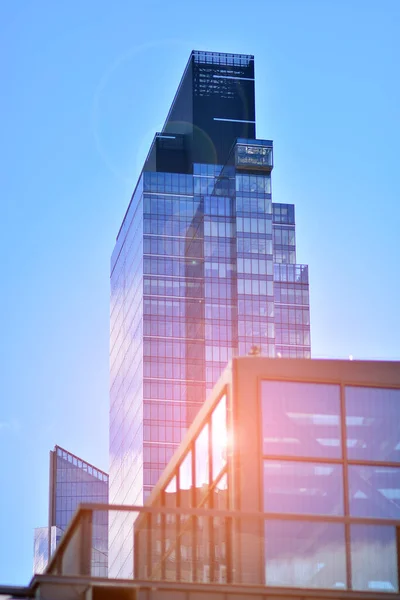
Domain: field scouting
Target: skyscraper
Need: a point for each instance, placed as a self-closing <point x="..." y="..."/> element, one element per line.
<point x="204" y="268"/>
<point x="72" y="481"/>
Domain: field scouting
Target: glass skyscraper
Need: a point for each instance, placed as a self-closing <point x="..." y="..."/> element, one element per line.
<point x="72" y="481"/>
<point x="204" y="269"/>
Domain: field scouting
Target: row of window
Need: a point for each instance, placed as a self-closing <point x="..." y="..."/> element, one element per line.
<point x="219" y="353"/>
<point x="203" y="169"/>
<point x="170" y="206"/>
<point x="304" y="420"/>
<point x="169" y="411"/>
<point x="218" y="331"/>
<point x="168" y="182"/>
<point x="246" y="346"/>
<point x="221" y="206"/>
<point x="261" y="329"/>
<point x="173" y="247"/>
<point x="284" y="236"/>
<point x="291" y="294"/>
<point x="173" y="349"/>
<point x="220" y="248"/>
<point x="71" y="461"/>
<point x="255" y="287"/>
<point x="165" y="369"/>
<point x="220" y="312"/>
<point x="203" y="185"/>
<point x="81" y="489"/>
<point x="260" y="184"/>
<point x="219" y="228"/>
<point x="283" y="213"/>
<point x="293" y="316"/>
<point x="255" y="306"/>
<point x="293" y="337"/>
<point x="253" y="244"/>
<point x="254" y="225"/>
<point x="177" y="267"/>
<point x="173" y="287"/>
<point x="158" y="225"/>
<point x="219" y="269"/>
<point x="288" y="352"/>
<point x="317" y="489"/>
<point x="305" y="554"/>
<point x="177" y="328"/>
<point x="291" y="273"/>
<point x="255" y="266"/>
<point x="158" y="454"/>
<point x="162" y="433"/>
<point x="223" y="290"/>
<point x="284" y="256"/>
<point x="253" y="205"/>
<point x="168" y="390"/>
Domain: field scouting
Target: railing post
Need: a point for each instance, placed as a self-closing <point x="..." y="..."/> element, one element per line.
<point x="86" y="543"/>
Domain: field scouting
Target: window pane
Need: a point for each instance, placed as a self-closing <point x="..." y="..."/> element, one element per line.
<point x="303" y="488"/>
<point x="301" y="554"/>
<point x="219" y="437"/>
<point x="374" y="558"/>
<point x="185" y="481"/>
<point x="170" y="493"/>
<point x="374" y="492"/>
<point x="373" y="423"/>
<point x="301" y="419"/>
<point x="202" y="462"/>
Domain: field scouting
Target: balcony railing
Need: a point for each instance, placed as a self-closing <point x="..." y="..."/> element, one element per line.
<point x="230" y="548"/>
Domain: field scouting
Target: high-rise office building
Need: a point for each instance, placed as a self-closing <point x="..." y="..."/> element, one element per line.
<point x="72" y="481"/>
<point x="204" y="269"/>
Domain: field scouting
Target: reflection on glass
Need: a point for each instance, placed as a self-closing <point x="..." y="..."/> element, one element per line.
<point x="374" y="491"/>
<point x="221" y="494"/>
<point x="219" y="437"/>
<point x="301" y="554"/>
<point x="202" y="462"/>
<point x="304" y="488"/>
<point x="185" y="472"/>
<point x="373" y="423"/>
<point x="374" y="558"/>
<point x="170" y="493"/>
<point x="301" y="419"/>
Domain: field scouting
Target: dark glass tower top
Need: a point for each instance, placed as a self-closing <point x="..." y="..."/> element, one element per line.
<point x="213" y="106"/>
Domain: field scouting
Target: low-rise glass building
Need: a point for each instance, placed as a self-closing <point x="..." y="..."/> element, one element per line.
<point x="306" y="453"/>
<point x="73" y="481"/>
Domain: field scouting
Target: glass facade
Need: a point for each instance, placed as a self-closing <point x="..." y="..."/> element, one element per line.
<point x="203" y="270"/>
<point x="354" y="432"/>
<point x="199" y="480"/>
<point x="72" y="482"/>
<point x="40" y="549"/>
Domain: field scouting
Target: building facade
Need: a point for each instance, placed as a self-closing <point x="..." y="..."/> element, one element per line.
<point x="308" y="455"/>
<point x="72" y="481"/>
<point x="204" y="269"/>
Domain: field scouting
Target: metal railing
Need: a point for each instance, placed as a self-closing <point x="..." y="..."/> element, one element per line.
<point x="221" y="547"/>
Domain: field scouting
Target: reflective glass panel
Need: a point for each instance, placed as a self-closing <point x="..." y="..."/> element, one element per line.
<point x="301" y="554"/>
<point x="303" y="488"/>
<point x="374" y="491"/>
<point x="219" y="437"/>
<point x="185" y="472"/>
<point x="170" y="493"/>
<point x="374" y="558"/>
<point x="202" y="463"/>
<point x="301" y="419"/>
<point x="373" y="423"/>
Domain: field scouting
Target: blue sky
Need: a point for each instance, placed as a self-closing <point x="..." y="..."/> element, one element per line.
<point x="85" y="86"/>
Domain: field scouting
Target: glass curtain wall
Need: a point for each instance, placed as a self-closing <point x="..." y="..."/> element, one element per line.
<point x="331" y="451"/>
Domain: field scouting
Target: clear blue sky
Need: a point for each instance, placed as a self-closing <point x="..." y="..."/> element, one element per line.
<point x="85" y="86"/>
